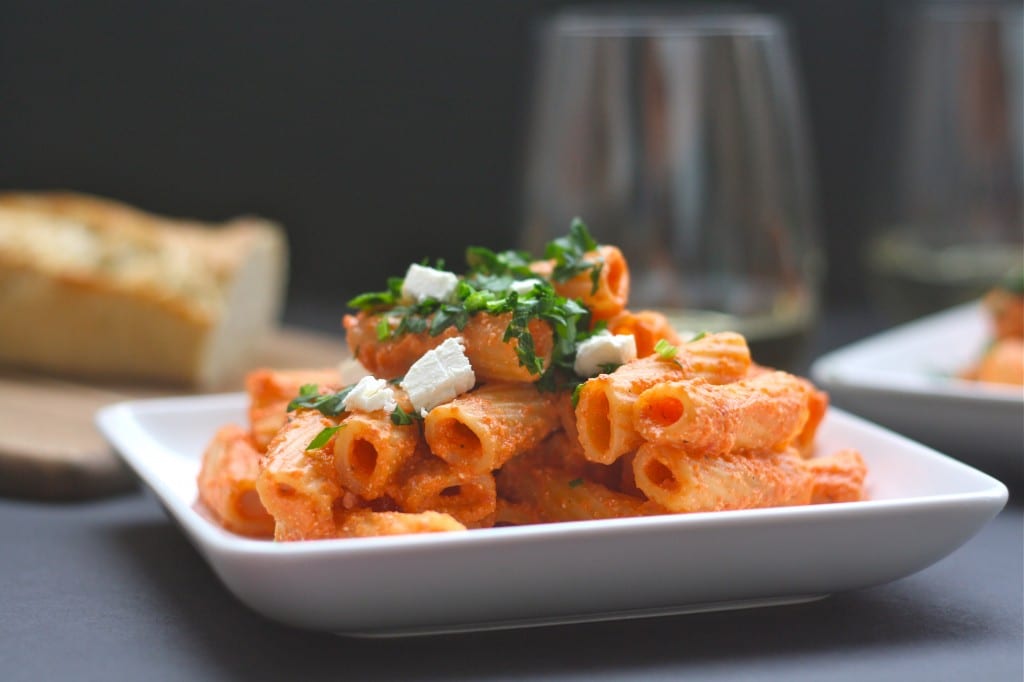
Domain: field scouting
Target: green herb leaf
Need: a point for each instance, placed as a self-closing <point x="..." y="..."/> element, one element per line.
<point x="568" y="253"/>
<point x="322" y="437"/>
<point x="698" y="337"/>
<point x="329" y="404"/>
<point x="383" y="328"/>
<point x="576" y="482"/>
<point x="402" y="418"/>
<point x="379" y="299"/>
<point x="306" y="391"/>
<point x="609" y="367"/>
<point x="486" y="262"/>
<point x="576" y="395"/>
<point x="665" y="350"/>
<point x="595" y="277"/>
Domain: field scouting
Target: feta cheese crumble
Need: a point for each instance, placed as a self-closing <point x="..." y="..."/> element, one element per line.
<point x="422" y="283"/>
<point x="603" y="349"/>
<point x="524" y="286"/>
<point x="439" y="375"/>
<point x="369" y="395"/>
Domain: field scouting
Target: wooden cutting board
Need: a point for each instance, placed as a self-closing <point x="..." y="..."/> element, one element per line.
<point x="50" y="448"/>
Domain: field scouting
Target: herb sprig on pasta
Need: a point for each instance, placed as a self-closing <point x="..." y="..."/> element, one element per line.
<point x="492" y="286"/>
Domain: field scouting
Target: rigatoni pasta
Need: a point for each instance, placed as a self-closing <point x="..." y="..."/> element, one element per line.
<point x="1002" y="360"/>
<point x="369" y="450"/>
<point x="765" y="412"/>
<point x="682" y="482"/>
<point x="607" y="296"/>
<point x="227" y="483"/>
<point x="648" y="327"/>
<point x="719" y="358"/>
<point x="494" y="359"/>
<point x="510" y="395"/>
<point x="386" y="358"/>
<point x="431" y="484"/>
<point x="538" y="492"/>
<point x="604" y="412"/>
<point x="480" y="431"/>
<point x="270" y="391"/>
<point x="298" y="486"/>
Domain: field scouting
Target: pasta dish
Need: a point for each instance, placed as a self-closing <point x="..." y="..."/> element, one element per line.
<point x="1002" y="362"/>
<point x="521" y="391"/>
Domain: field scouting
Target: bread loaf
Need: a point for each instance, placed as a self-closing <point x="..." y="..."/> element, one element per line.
<point x="98" y="289"/>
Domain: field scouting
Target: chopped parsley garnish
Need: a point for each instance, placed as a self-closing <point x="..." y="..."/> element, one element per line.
<point x="698" y="337"/>
<point x="665" y="350"/>
<point x="576" y="482"/>
<point x="449" y="316"/>
<point x="329" y="404"/>
<point x="487" y="288"/>
<point x="486" y="262"/>
<point x="568" y="253"/>
<point x="402" y="418"/>
<point x="576" y="394"/>
<point x="324" y="436"/>
<point x="379" y="299"/>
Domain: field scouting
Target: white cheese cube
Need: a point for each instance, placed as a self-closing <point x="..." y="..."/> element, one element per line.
<point x="422" y="283"/>
<point x="524" y="286"/>
<point x="603" y="349"/>
<point x="369" y="395"/>
<point x="439" y="375"/>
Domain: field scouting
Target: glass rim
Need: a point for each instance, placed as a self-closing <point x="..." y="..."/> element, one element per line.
<point x="639" y="21"/>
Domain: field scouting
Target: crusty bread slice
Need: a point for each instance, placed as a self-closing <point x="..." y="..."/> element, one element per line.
<point x="95" y="288"/>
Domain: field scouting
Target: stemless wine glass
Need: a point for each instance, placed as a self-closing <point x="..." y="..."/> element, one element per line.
<point x="948" y="208"/>
<point x="681" y="138"/>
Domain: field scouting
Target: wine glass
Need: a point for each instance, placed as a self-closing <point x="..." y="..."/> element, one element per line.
<point x="681" y="138"/>
<point x="948" y="207"/>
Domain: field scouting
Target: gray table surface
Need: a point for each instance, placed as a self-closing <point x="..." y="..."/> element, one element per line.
<point x="111" y="590"/>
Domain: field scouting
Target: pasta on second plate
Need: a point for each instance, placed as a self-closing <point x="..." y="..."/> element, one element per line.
<point x="523" y="391"/>
<point x="1002" y="362"/>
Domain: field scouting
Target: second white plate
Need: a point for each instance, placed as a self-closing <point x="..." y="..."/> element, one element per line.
<point x="906" y="379"/>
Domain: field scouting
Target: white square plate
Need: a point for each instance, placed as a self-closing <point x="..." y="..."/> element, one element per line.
<point x="906" y="379"/>
<point x="923" y="506"/>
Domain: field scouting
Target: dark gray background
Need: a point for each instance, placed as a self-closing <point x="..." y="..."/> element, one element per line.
<point x="356" y="121"/>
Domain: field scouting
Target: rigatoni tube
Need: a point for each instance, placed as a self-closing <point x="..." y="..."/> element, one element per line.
<point x="767" y="411"/>
<point x="430" y="483"/>
<point x="604" y="411"/>
<point x="682" y="482"/>
<point x="369" y="450"/>
<point x="479" y="431"/>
